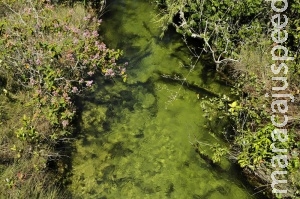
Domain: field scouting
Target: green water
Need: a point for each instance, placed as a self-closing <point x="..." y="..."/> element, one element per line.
<point x="135" y="136"/>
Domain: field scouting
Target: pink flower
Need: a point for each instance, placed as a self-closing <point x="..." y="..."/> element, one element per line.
<point x="31" y="81"/>
<point x="96" y="56"/>
<point x="95" y="33"/>
<point x="65" y="95"/>
<point x="87" y="17"/>
<point x="110" y="73"/>
<point x="101" y="46"/>
<point x="27" y="11"/>
<point x="89" y="83"/>
<point x="65" y="123"/>
<point x="75" y="30"/>
<point x="54" y="93"/>
<point x="74" y="89"/>
<point x="86" y="33"/>
<point x="85" y="62"/>
<point x="90" y="73"/>
<point x="38" y="61"/>
<point x="67" y="27"/>
<point x="48" y="6"/>
<point x="56" y="25"/>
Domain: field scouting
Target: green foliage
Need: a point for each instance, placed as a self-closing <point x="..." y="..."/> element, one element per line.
<point x="249" y="126"/>
<point x="211" y="152"/>
<point x="225" y="26"/>
<point x="49" y="55"/>
<point x="55" y="57"/>
<point x="218" y="152"/>
<point x="27" y="132"/>
<point x="256" y="147"/>
<point x="21" y="181"/>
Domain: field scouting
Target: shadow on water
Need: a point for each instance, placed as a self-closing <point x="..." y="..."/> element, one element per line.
<point x="114" y="102"/>
<point x="135" y="136"/>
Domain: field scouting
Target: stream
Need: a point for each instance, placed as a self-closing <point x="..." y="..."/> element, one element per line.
<point x="135" y="139"/>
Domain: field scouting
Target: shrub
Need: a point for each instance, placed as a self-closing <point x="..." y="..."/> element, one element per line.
<point x="53" y="51"/>
<point x="48" y="55"/>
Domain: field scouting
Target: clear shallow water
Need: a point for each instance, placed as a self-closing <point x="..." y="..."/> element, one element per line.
<point x="135" y="136"/>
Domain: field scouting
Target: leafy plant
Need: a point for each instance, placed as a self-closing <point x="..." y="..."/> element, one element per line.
<point x="27" y="132"/>
<point x="49" y="55"/>
<point x="218" y="152"/>
<point x="224" y="27"/>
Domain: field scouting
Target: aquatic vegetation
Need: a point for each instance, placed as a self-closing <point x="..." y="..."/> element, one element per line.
<point x="235" y="35"/>
<point x="135" y="139"/>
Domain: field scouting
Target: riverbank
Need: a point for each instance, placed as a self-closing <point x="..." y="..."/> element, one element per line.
<point x="235" y="35"/>
<point x="49" y="55"/>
